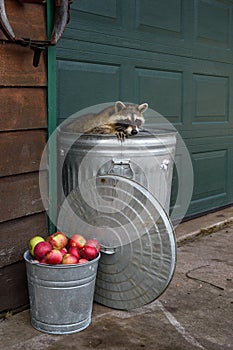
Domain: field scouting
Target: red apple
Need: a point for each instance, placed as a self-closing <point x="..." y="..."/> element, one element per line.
<point x="88" y="252"/>
<point x="69" y="259"/>
<point x="94" y="243"/>
<point x="77" y="241"/>
<point x="58" y="240"/>
<point x="54" y="257"/>
<point x="74" y="251"/>
<point x="43" y="260"/>
<point x="82" y="261"/>
<point x="63" y="251"/>
<point x="41" y="249"/>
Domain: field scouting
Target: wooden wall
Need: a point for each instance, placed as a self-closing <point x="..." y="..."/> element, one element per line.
<point x="23" y="132"/>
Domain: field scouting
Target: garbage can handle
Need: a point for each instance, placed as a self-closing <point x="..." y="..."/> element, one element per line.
<point x="121" y="167"/>
<point x="164" y="164"/>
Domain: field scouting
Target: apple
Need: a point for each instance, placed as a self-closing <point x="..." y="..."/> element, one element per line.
<point x="74" y="251"/>
<point x="94" y="243"/>
<point x="63" y="251"/>
<point x="77" y="241"/>
<point x="33" y="242"/>
<point x="58" y="240"/>
<point x="88" y="252"/>
<point x="54" y="257"/>
<point x="83" y="261"/>
<point x="35" y="261"/>
<point x="69" y="259"/>
<point x="41" y="249"/>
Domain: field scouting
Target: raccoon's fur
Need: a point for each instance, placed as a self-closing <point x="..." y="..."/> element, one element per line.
<point x="120" y="119"/>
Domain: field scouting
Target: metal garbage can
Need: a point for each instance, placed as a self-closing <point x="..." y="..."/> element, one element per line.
<point x="120" y="192"/>
<point x="61" y="296"/>
<point x="146" y="158"/>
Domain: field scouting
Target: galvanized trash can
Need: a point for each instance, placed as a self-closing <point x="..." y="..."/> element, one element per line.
<point x="121" y="193"/>
<point x="146" y="158"/>
<point x="61" y="296"/>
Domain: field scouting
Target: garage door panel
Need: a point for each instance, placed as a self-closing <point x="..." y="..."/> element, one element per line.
<point x="162" y="89"/>
<point x="160" y="16"/>
<point x="100" y="7"/>
<point x="83" y="84"/>
<point x="213" y="170"/>
<point x="100" y="13"/>
<point x="195" y="28"/>
<point x="211" y="99"/>
<point x="194" y="95"/>
<point x="210" y="169"/>
<point x="213" y="23"/>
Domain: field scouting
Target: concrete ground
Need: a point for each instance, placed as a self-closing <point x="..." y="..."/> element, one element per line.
<point x="195" y="312"/>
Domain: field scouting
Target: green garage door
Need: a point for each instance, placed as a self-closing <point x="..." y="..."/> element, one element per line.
<point x="177" y="55"/>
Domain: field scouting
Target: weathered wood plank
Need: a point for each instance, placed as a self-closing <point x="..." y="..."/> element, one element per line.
<point x="16" y="67"/>
<point x="26" y="20"/>
<point x="21" y="151"/>
<point x="23" y="108"/>
<point x="16" y="234"/>
<point x="13" y="291"/>
<point x="20" y="196"/>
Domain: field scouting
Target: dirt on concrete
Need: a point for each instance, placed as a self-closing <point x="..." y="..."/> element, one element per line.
<point x="195" y="312"/>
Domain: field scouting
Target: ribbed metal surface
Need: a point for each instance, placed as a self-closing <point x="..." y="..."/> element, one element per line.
<point x="142" y="158"/>
<point x="138" y="245"/>
<point x="61" y="296"/>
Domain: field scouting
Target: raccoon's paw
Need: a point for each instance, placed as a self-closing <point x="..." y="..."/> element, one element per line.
<point x="121" y="136"/>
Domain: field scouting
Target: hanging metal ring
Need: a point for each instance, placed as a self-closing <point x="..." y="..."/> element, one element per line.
<point x="62" y="16"/>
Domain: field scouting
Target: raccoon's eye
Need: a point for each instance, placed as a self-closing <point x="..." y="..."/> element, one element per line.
<point x="138" y="122"/>
<point x="121" y="126"/>
<point x="127" y="121"/>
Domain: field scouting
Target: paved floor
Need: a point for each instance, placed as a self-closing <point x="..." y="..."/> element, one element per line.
<point x="195" y="312"/>
<point x="205" y="224"/>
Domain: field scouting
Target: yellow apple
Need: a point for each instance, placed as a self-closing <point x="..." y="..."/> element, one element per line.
<point x="33" y="242"/>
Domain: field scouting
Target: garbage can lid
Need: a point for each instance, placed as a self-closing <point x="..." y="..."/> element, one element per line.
<point x="137" y="240"/>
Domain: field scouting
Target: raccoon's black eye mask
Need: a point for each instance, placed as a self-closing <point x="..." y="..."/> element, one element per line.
<point x="121" y="126"/>
<point x="128" y="122"/>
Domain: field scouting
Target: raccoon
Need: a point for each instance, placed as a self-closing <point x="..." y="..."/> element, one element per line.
<point x="120" y="119"/>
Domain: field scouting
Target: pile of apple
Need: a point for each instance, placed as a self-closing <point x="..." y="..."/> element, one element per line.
<point x="59" y="249"/>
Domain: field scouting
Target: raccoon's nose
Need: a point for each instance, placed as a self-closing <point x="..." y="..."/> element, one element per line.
<point x="134" y="132"/>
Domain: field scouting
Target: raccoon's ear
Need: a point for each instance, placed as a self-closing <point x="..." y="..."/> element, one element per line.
<point x="143" y="107"/>
<point x="119" y="106"/>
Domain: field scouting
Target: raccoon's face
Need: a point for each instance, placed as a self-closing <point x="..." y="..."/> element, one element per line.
<point x="128" y="118"/>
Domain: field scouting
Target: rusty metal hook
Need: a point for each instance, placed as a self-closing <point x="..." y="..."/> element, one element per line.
<point x="62" y="15"/>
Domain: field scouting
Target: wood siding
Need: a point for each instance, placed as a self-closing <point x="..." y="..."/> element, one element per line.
<point x="23" y="133"/>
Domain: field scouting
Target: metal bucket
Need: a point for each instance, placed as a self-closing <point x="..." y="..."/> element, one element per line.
<point x="146" y="158"/>
<point x="61" y="296"/>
